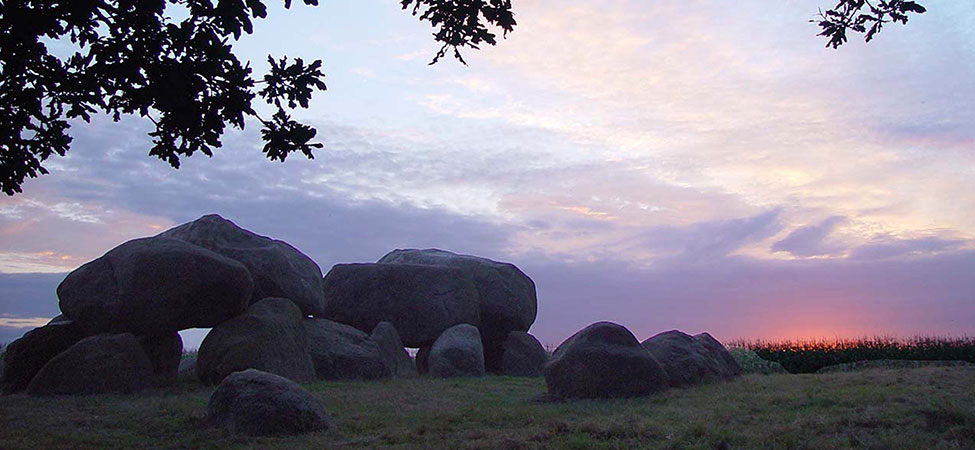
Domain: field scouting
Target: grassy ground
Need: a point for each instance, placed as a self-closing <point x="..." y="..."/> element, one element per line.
<point x="905" y="408"/>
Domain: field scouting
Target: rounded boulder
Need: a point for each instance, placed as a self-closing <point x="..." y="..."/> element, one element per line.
<point x="269" y="337"/>
<point x="727" y="364"/>
<point x="100" y="364"/>
<point x="394" y="353"/>
<point x="523" y="355"/>
<point x="457" y="353"/>
<point x="341" y="352"/>
<point x="603" y="360"/>
<point x="257" y="403"/>
<point x="24" y="357"/>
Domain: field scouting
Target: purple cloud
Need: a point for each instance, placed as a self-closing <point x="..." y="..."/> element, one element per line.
<point x="810" y="240"/>
<point x="890" y="248"/>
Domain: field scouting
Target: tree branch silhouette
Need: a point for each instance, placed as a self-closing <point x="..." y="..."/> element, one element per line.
<point x="131" y="58"/>
<point x="863" y="16"/>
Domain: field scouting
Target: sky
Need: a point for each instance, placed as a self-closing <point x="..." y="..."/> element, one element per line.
<point x="662" y="165"/>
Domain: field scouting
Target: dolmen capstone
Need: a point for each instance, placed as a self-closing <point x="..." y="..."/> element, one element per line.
<point x="506" y="296"/>
<point x="256" y="403"/>
<point x="341" y="352"/>
<point x="270" y="337"/>
<point x="421" y="301"/>
<point x="457" y="353"/>
<point x="603" y="360"/>
<point x="278" y="269"/>
<point x="155" y="285"/>
<point x="692" y="360"/>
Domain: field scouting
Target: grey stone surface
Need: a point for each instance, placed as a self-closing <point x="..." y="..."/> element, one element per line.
<point x="57" y="319"/>
<point x="155" y="285"/>
<point x="457" y="353"/>
<point x="269" y="336"/>
<point x="603" y="360"/>
<point x="422" y="360"/>
<point x="394" y="354"/>
<point x="100" y="364"/>
<point x="421" y="301"/>
<point x="493" y="355"/>
<point x="687" y="360"/>
<point x="341" y="352"/>
<point x="24" y="357"/>
<point x="257" y="403"/>
<point x="277" y="268"/>
<point x="523" y="355"/>
<point x="728" y="364"/>
<point x="164" y="351"/>
<point x="506" y="295"/>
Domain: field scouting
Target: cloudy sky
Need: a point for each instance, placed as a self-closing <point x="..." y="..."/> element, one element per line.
<point x="659" y="164"/>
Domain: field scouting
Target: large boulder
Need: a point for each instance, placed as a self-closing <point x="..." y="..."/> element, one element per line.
<point x="155" y="285"/>
<point x="341" y="352"/>
<point x="603" y="360"/>
<point x="269" y="336"/>
<point x="523" y="355"/>
<point x="58" y="319"/>
<point x="278" y="269"/>
<point x="457" y="353"/>
<point x="394" y="355"/>
<point x="24" y="357"/>
<point x="685" y="359"/>
<point x="506" y="295"/>
<point x="727" y="364"/>
<point x="100" y="364"/>
<point x="258" y="403"/>
<point x="691" y="360"/>
<point x="422" y="360"/>
<point x="420" y="301"/>
<point x="164" y="351"/>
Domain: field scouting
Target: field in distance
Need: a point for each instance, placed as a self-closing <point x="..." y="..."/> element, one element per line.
<point x="930" y="407"/>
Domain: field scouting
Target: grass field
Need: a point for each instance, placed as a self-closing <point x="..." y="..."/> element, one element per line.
<point x="906" y="408"/>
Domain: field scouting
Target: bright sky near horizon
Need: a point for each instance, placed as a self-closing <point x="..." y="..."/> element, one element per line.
<point x="659" y="164"/>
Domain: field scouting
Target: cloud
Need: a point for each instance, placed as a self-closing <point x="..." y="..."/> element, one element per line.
<point x="811" y="239"/>
<point x="711" y="240"/>
<point x="891" y="247"/>
<point x="771" y="117"/>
